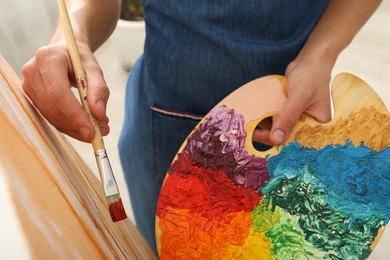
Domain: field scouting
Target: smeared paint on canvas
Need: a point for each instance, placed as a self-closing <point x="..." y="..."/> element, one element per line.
<point x="327" y="202"/>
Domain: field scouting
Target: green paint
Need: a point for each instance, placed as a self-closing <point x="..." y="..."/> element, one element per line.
<point x="326" y="229"/>
<point x="263" y="218"/>
<point x="288" y="240"/>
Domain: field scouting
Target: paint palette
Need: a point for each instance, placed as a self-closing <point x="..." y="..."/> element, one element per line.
<point x="323" y="194"/>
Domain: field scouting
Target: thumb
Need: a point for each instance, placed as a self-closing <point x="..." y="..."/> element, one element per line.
<point x="285" y="122"/>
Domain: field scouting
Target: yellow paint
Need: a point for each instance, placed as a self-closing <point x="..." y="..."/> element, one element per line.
<point x="366" y="125"/>
<point x="257" y="246"/>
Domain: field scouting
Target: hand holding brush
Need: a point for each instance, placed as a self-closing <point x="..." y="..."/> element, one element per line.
<point x="111" y="191"/>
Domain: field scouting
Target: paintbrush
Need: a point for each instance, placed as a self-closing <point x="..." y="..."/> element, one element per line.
<point x="111" y="191"/>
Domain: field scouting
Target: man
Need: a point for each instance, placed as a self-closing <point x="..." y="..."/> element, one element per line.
<point x="196" y="53"/>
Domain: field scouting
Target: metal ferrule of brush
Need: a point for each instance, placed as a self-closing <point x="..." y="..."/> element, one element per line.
<point x="106" y="174"/>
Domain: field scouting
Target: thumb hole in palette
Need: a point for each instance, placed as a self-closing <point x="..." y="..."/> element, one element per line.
<point x="264" y="125"/>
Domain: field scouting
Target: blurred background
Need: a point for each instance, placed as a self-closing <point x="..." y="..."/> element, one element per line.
<point x="27" y="25"/>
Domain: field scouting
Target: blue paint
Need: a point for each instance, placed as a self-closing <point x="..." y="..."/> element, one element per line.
<point x="356" y="179"/>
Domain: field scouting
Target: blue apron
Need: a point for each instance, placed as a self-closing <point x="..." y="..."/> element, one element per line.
<point x="196" y="53"/>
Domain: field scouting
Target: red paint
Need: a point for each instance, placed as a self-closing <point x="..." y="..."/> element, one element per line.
<point x="209" y="192"/>
<point x="82" y="83"/>
<point x="117" y="211"/>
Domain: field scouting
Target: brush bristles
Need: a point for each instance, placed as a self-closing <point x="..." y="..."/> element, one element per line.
<point x="115" y="205"/>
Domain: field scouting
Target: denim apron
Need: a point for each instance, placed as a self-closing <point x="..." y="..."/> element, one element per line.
<point x="196" y="53"/>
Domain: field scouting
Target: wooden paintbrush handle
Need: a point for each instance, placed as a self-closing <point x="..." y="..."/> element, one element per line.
<point x="81" y="79"/>
<point x="82" y="86"/>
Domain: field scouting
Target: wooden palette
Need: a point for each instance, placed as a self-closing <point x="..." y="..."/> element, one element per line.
<point x="324" y="193"/>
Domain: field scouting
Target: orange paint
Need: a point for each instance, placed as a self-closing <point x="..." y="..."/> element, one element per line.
<point x="202" y="212"/>
<point x="187" y="234"/>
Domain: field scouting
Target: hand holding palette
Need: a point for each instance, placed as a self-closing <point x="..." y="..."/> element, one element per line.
<point x="324" y="193"/>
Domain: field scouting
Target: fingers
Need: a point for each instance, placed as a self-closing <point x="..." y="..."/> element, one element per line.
<point x="48" y="80"/>
<point x="262" y="132"/>
<point x="286" y="120"/>
<point x="310" y="99"/>
<point x="308" y="78"/>
<point x="262" y="136"/>
<point x="78" y="135"/>
<point x="98" y="94"/>
<point x="47" y="85"/>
